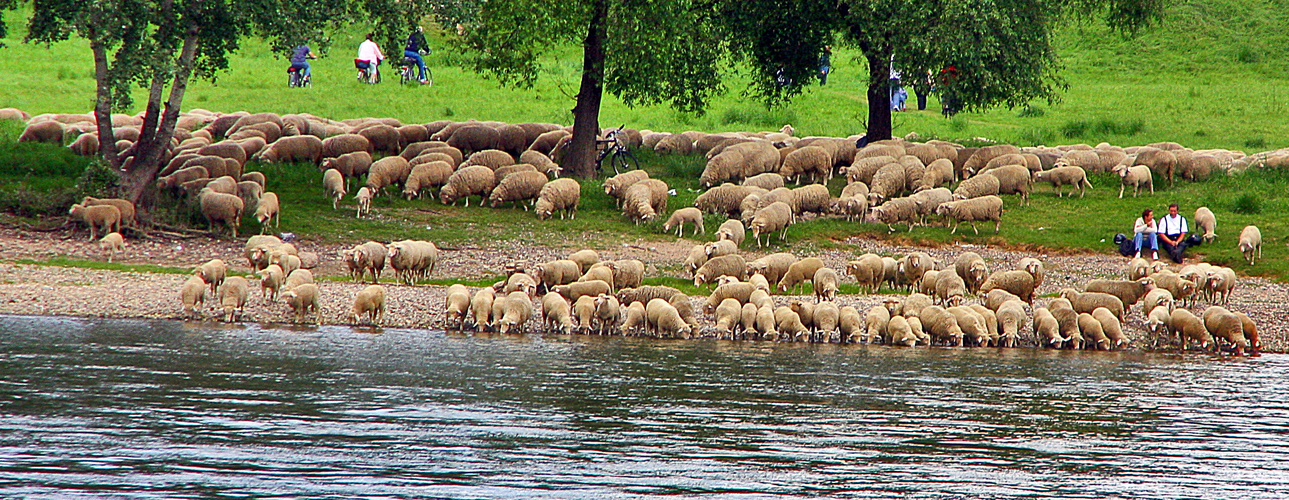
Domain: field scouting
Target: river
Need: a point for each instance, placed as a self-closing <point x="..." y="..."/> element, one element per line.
<point x="163" y="409"/>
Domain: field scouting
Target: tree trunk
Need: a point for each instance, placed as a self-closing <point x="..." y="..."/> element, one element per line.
<point x="147" y="161"/>
<point x="879" y="97"/>
<point x="103" y="107"/>
<point x="580" y="159"/>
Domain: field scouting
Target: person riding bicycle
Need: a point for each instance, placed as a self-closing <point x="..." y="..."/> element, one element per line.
<point x="300" y="59"/>
<point x="416" y="45"/>
<point x="369" y="57"/>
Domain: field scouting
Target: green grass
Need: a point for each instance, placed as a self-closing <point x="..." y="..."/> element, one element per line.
<point x="104" y="266"/>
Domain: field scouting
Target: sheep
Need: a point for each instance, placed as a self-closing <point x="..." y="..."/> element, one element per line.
<point x="645" y="293"/>
<point x="1034" y="267"/>
<point x="853" y="202"/>
<point x="369" y="303"/>
<point x="695" y="259"/>
<point x="106" y="216"/>
<point x="560" y="195"/>
<point x="941" y="325"/>
<point x="599" y="272"/>
<point x="616" y="186"/>
<point x="1111" y="327"/>
<point x="1156" y="298"/>
<point x="192" y="295"/>
<point x="516" y="311"/>
<point x="350" y="165"/>
<point x="825" y="284"/>
<point x="1087" y="301"/>
<point x="897" y="210"/>
<point x="950" y="288"/>
<point x="1047" y="328"/>
<point x="766" y="181"/>
<point x="737" y="290"/>
<point x="747" y="320"/>
<point x="1250" y="331"/>
<point x="867" y="271"/>
<point x="256" y="250"/>
<point x="556" y="272"/>
<point x="584" y="312"/>
<point x="928" y="282"/>
<point x="296" y="277"/>
<point x="289" y="263"/>
<point x="1068" y="323"/>
<point x="363" y="198"/>
<point x="813" y="198"/>
<point x="827" y="317"/>
<point x="728" y="315"/>
<point x="1180" y="288"/>
<point x="979" y="325"/>
<point x="491" y="158"/>
<point x="224" y="184"/>
<point x="179" y="177"/>
<point x="339" y="145"/>
<point x="220" y="207"/>
<point x="1061" y="176"/>
<point x="577" y="289"/>
<point x="1223" y="325"/>
<point x="1128" y="292"/>
<point x="1010" y="316"/>
<point x="644" y="200"/>
<point x="334" y="183"/>
<point x="1091" y="329"/>
<point x="541" y="162"/>
<point x="927" y="201"/>
<point x="772" y="267"/>
<point x="887" y="182"/>
<point x="502" y="172"/>
<point x="937" y="173"/>
<point x="124" y="206"/>
<point x="1207" y="222"/>
<point x="633" y="318"/>
<point x="684" y="308"/>
<point x="731" y="230"/>
<point x="687" y="215"/>
<point x="267" y="209"/>
<point x="773" y="218"/>
<point x="970" y="266"/>
<point x="1251" y="243"/>
<point x="890" y="271"/>
<point x="1013" y="179"/>
<point x="724" y="199"/>
<point x="810" y="160"/>
<point x="799" y="272"/>
<point x="412" y="259"/>
<point x="111" y="244"/>
<point x="299" y="148"/>
<point x="517" y="187"/>
<point x="466" y="182"/>
<point x="232" y="297"/>
<point x="1136" y="177"/>
<point x="976" y="187"/>
<point x="788" y="324"/>
<point x="212" y="272"/>
<point x="1220" y="284"/>
<point x="256" y="177"/>
<point x="725" y="265"/>
<point x="426" y="176"/>
<point x="481" y="307"/>
<point x="1138" y="268"/>
<point x="987" y="208"/>
<point x="272" y="280"/>
<point x="302" y="299"/>
<point x="250" y="192"/>
<point x="1160" y="162"/>
<point x="584" y="259"/>
<point x="978" y="160"/>
<point x="1188" y="327"/>
<point x="864" y="169"/>
<point x="719" y="248"/>
<point x="997" y="297"/>
<point x="1018" y="283"/>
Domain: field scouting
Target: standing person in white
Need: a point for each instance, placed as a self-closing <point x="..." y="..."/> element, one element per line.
<point x="369" y="53"/>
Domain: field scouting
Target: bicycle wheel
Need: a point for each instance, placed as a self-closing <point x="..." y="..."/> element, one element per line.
<point x="405" y="75"/>
<point x="624" y="160"/>
<point x="429" y="77"/>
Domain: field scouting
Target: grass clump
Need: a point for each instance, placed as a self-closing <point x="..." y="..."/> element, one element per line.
<point x="104" y="266"/>
<point x="1247" y="204"/>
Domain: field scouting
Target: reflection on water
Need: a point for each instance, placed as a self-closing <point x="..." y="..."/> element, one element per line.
<point x="169" y="410"/>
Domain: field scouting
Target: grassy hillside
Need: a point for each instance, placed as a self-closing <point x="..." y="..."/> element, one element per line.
<point x="1207" y="77"/>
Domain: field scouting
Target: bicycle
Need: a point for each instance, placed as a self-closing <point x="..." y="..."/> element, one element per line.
<point x="364" y="74"/>
<point x="408" y="72"/>
<point x="614" y="148"/>
<point x="296" y="78"/>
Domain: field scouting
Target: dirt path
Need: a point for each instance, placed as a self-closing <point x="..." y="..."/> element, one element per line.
<point x="49" y="290"/>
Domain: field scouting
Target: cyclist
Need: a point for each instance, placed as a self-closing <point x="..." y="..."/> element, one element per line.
<point x="369" y="57"/>
<point x="300" y="60"/>
<point x="416" y="45"/>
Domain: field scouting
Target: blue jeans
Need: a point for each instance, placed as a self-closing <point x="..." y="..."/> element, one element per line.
<point x="304" y="68"/>
<point x="420" y="61"/>
<point x="1137" y="241"/>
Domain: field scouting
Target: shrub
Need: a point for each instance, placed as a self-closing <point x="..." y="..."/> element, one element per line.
<point x="1247" y="204"/>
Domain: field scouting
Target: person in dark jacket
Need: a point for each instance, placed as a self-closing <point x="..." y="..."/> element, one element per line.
<point x="416" y="44"/>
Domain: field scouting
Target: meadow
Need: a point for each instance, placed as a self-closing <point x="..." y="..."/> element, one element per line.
<point x="1206" y="78"/>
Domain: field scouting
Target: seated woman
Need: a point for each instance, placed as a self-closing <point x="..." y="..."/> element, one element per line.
<point x="1146" y="231"/>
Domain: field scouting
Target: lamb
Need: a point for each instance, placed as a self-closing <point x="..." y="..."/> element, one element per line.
<point x="773" y="267"/>
<point x="302" y="299"/>
<point x="825" y="284"/>
<point x="941" y="325"/>
<point x="1062" y="176"/>
<point x="868" y="272"/>
<point x="272" y="279"/>
<point x="644" y="200"/>
<point x="193" y="295"/>
<point x="1013" y="179"/>
<point x="265" y="210"/>
<point x="773" y="218"/>
<point x="1087" y="301"/>
<point x="898" y="210"/>
<point x="219" y="207"/>
<point x="363" y="198"/>
<point x="987" y="208"/>
<point x="520" y="186"/>
<point x="106" y="216"/>
<point x="1128" y="292"/>
<point x="1251" y="243"/>
<point x="560" y="195"/>
<point x="481" y="307"/>
<point x="517" y="310"/>
<point x="466" y="182"/>
<point x="687" y="215"/>
<point x="976" y="187"/>
<point x="1018" y="283"/>
<point x="1047" y="329"/>
<point x="950" y="288"/>
<point x="799" y="272"/>
<point x="616" y="186"/>
<point x="1207" y="222"/>
<point x="731" y="230"/>
<point x="124" y="206"/>
<point x="720" y="247"/>
<point x="111" y="244"/>
<point x="1136" y="177"/>
<point x="232" y="297"/>
<point x="970" y="266"/>
<point x="1010" y="316"/>
<point x="1188" y="327"/>
<point x="725" y="265"/>
<point x="584" y="259"/>
<point x="1111" y="327"/>
<point x="1091" y="329"/>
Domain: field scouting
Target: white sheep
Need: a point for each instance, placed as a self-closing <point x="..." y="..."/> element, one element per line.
<point x="775" y="217"/>
<point x="560" y="195"/>
<point x="334" y="183"/>
<point x="644" y="200"/>
<point x="1251" y="243"/>
<point x="1136" y="177"/>
<point x="193" y="295"/>
<point x="732" y="230"/>
<point x="1207" y="222"/>
<point x="517" y="187"/>
<point x="268" y="208"/>
<point x="106" y="216"/>
<point x="687" y="215"/>
<point x="363" y="197"/>
<point x="987" y="208"/>
<point x="369" y="303"/>
<point x="302" y="299"/>
<point x="111" y="244"/>
<point x="1063" y="176"/>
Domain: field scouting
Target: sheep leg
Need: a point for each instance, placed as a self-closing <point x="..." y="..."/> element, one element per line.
<point x="1121" y="191"/>
<point x="955" y="227"/>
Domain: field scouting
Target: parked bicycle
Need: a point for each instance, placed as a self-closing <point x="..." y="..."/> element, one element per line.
<point x="613" y="147"/>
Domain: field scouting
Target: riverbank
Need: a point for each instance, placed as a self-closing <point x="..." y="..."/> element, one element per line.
<point x="30" y="285"/>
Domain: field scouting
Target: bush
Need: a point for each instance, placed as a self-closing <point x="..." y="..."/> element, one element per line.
<point x="1247" y="204"/>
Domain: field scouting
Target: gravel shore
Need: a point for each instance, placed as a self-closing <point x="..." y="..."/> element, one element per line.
<point x="50" y="290"/>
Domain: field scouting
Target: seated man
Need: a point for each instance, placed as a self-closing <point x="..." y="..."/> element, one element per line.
<point x="300" y="59"/>
<point x="415" y="44"/>
<point x="1172" y="234"/>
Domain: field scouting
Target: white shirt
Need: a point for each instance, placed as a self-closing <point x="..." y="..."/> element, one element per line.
<point x="1173" y="225"/>
<point x="369" y="51"/>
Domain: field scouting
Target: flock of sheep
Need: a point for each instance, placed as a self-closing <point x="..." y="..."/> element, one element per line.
<point x="895" y="181"/>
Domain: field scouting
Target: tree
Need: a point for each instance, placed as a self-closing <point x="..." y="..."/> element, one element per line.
<point x="162" y="44"/>
<point x="1000" y="51"/>
<point x="643" y="51"/>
